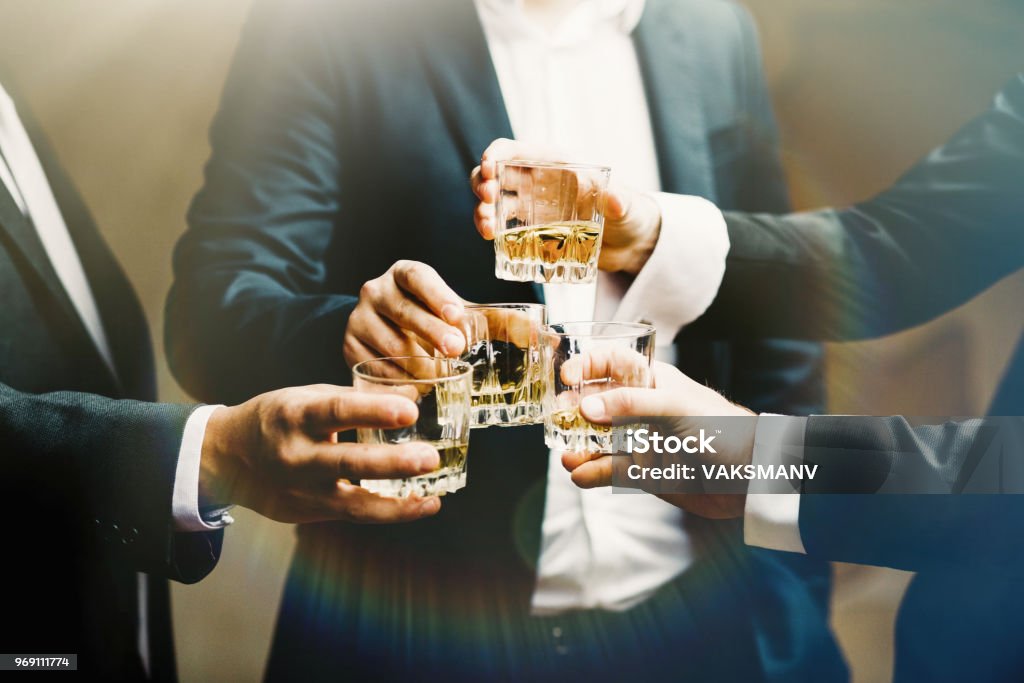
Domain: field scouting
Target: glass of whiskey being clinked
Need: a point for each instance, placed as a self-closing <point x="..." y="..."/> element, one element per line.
<point x="550" y="219"/>
<point x="440" y="387"/>
<point x="503" y="348"/>
<point x="585" y="358"/>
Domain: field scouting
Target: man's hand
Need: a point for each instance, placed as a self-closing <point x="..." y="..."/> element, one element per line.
<point x="632" y="220"/>
<point x="278" y="454"/>
<point x="407" y="304"/>
<point x="674" y="395"/>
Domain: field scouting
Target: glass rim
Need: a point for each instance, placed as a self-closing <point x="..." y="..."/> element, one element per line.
<point x="469" y="304"/>
<point x="568" y="165"/>
<point x="635" y="329"/>
<point x="465" y="371"/>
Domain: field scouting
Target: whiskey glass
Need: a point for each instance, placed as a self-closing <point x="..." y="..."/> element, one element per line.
<point x="503" y="348"/>
<point x="441" y="389"/>
<point x="550" y="220"/>
<point x="585" y="358"/>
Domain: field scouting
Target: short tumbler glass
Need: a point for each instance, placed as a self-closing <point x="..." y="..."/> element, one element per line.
<point x="503" y="348"/>
<point x="585" y="358"/>
<point x="550" y="219"/>
<point x="441" y="389"/>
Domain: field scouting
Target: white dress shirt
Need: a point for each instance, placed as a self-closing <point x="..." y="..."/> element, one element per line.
<point x="23" y="176"/>
<point x="772" y="520"/>
<point x="579" y="87"/>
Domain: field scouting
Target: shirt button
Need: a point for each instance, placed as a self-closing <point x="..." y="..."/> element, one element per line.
<point x="560" y="647"/>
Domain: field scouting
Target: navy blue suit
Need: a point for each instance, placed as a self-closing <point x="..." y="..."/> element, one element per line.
<point x="950" y="228"/>
<point x="344" y="142"/>
<point x="87" y="461"/>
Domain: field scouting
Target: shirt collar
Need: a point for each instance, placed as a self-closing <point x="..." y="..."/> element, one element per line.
<point x="506" y="19"/>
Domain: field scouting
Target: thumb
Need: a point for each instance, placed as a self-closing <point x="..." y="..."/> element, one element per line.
<point x="628" y="402"/>
<point x="617" y="203"/>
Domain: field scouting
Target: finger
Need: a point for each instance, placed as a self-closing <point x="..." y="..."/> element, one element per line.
<point x="617" y="204"/>
<point x="504" y="149"/>
<point x="411" y="316"/>
<point x="356" y="504"/>
<point x="620" y="365"/>
<point x="484" y="219"/>
<point x="572" y="460"/>
<point x="426" y="285"/>
<point x="630" y="402"/>
<point x="371" y="460"/>
<point x="356" y="351"/>
<point x="594" y="473"/>
<point x="385" y="339"/>
<point x="342" y="410"/>
<point x="486" y="189"/>
<point x="501" y="149"/>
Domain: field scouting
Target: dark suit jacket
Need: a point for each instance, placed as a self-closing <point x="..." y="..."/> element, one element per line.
<point x="85" y="490"/>
<point x="344" y="143"/>
<point x="947" y="230"/>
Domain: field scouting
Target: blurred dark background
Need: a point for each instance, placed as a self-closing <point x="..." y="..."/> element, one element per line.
<point x="126" y="90"/>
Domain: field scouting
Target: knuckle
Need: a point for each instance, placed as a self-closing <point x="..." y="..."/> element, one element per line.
<point x="403" y="268"/>
<point x="369" y="290"/>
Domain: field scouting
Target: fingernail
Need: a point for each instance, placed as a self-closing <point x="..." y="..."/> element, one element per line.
<point x="430" y="505"/>
<point x="593" y="407"/>
<point x="451" y="313"/>
<point x="451" y="344"/>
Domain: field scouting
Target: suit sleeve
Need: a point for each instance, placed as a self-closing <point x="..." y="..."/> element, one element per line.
<point x="768" y="374"/>
<point x="116" y="460"/>
<point x="943" y="233"/>
<point x="249" y="271"/>
<point x="915" y="496"/>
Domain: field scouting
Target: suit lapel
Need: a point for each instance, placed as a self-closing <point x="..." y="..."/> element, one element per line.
<point x="21" y="234"/>
<point x="672" y="84"/>
<point x="459" y="67"/>
<point x="20" y="237"/>
<point x="121" y="315"/>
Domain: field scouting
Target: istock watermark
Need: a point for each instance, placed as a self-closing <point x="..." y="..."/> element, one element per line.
<point x="821" y="454"/>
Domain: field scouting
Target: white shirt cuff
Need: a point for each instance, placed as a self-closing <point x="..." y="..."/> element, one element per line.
<point x="185" y="503"/>
<point x="772" y="520"/>
<point x="685" y="270"/>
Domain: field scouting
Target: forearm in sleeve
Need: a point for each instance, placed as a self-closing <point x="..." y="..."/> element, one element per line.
<point x="947" y="230"/>
<point x="249" y="310"/>
<point x="895" y="494"/>
<point x="114" y="463"/>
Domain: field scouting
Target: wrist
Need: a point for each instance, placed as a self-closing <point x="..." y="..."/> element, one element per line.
<point x="217" y="474"/>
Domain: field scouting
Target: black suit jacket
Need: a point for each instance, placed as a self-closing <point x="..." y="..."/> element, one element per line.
<point x="344" y="143"/>
<point x="947" y="230"/>
<point x="87" y="463"/>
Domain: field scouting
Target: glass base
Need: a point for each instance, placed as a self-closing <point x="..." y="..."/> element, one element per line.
<point x="505" y="416"/>
<point x="579" y="440"/>
<point x="545" y="273"/>
<point x="448" y="480"/>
